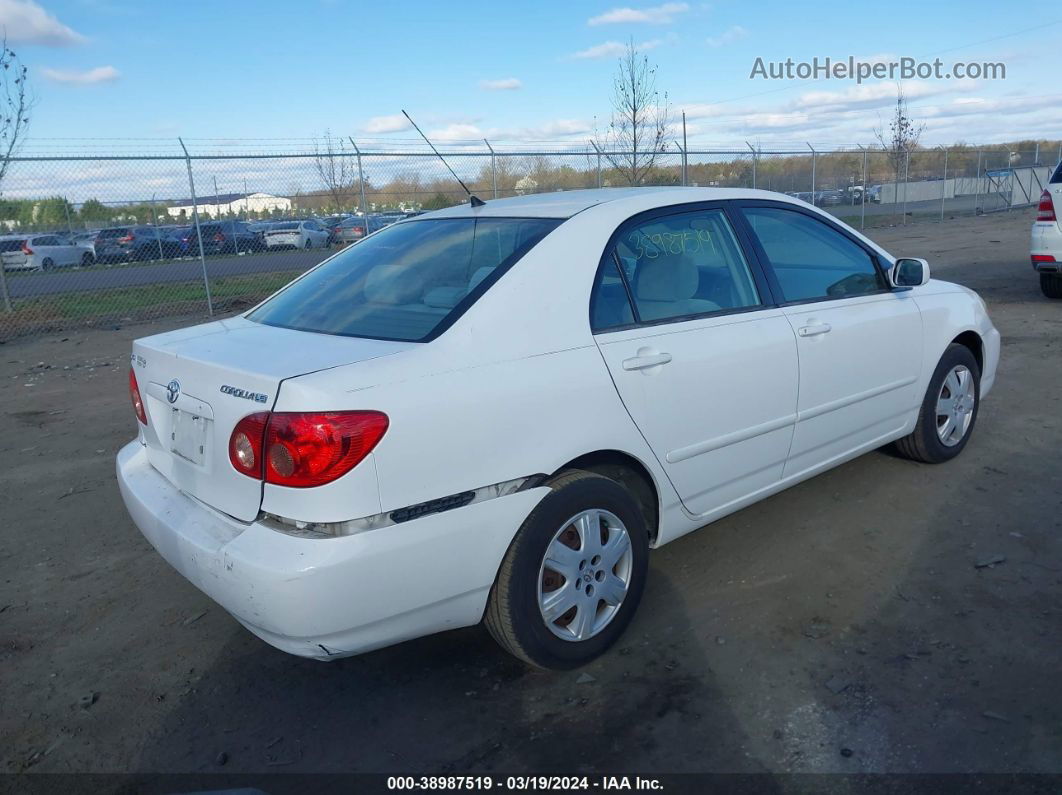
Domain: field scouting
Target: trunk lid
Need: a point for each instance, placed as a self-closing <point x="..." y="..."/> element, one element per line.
<point x="197" y="383"/>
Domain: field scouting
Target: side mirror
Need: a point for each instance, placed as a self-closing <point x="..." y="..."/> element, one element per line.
<point x="909" y="272"/>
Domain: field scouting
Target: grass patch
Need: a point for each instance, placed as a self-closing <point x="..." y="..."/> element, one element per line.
<point x="91" y="307"/>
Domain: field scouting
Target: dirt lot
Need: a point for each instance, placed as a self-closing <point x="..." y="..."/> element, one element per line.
<point x="845" y="613"/>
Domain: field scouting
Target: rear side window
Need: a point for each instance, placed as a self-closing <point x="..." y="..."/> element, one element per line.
<point x="1057" y="176"/>
<point x="406" y="283"/>
<point x="811" y="260"/>
<point x="675" y="267"/>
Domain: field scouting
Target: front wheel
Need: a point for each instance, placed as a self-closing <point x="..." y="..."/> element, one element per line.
<point x="87" y="260"/>
<point x="574" y="574"/>
<point x="1051" y="285"/>
<point x="309" y="244"/>
<point x="949" y="410"/>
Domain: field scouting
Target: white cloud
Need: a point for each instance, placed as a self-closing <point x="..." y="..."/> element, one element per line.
<point x="101" y="74"/>
<point x="26" y="22"/>
<point x="386" y="124"/>
<point x="612" y="49"/>
<point x="505" y="84"/>
<point x="655" y="15"/>
<point x="728" y="36"/>
<point x="458" y="131"/>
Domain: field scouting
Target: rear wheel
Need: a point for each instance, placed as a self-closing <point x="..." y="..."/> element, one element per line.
<point x="47" y="264"/>
<point x="574" y="574"/>
<point x="1051" y="285"/>
<point x="949" y="410"/>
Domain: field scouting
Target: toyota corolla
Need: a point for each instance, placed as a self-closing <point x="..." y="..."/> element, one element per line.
<point x="494" y="412"/>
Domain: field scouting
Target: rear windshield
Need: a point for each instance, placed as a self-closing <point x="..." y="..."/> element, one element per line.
<point x="289" y="225"/>
<point x="1057" y="176"/>
<point x="106" y="233"/>
<point x="409" y="282"/>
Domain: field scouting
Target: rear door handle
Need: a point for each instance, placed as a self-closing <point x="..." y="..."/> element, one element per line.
<point x="642" y="362"/>
<point x="813" y="329"/>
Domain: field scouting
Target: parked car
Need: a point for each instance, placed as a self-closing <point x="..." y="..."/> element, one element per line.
<point x="874" y="194"/>
<point x="224" y="237"/>
<point x="132" y="244"/>
<point x="86" y="241"/>
<point x="828" y="198"/>
<point x="1047" y="237"/>
<point x="297" y="234"/>
<point x="42" y="252"/>
<point x="350" y="230"/>
<point x="493" y="413"/>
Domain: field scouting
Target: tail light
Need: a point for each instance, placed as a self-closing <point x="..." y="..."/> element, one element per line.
<point x="302" y="450"/>
<point x="219" y="238"/>
<point x="127" y="239"/>
<point x="26" y="249"/>
<point x="1042" y="258"/>
<point x="134" y="395"/>
<point x="1045" y="211"/>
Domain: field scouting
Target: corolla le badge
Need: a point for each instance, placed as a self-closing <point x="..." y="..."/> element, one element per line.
<point x="257" y="397"/>
<point x="173" y="390"/>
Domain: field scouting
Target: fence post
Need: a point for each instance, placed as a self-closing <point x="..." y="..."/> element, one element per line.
<point x="906" y="179"/>
<point x="813" y="157"/>
<point x="198" y="236"/>
<point x="977" y="183"/>
<point x="682" y="163"/>
<point x="3" y="289"/>
<point x="361" y="186"/>
<point x="863" y="192"/>
<point x="598" y="162"/>
<point x="685" y="158"/>
<point x="753" y="150"/>
<point x="493" y="169"/>
<point x="158" y="234"/>
<point x="944" y="184"/>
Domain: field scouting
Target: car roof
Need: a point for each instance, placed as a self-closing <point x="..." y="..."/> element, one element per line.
<point x="565" y="204"/>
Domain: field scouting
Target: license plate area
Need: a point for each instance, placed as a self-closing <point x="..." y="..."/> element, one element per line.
<point x="188" y="435"/>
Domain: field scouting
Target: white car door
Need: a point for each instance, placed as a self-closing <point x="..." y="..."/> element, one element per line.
<point x="705" y="365"/>
<point x="860" y="341"/>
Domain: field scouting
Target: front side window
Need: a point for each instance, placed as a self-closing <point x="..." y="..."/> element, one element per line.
<point x="675" y="266"/>
<point x="406" y="282"/>
<point x="811" y="260"/>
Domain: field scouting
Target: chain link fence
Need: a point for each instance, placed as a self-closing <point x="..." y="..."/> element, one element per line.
<point x="104" y="238"/>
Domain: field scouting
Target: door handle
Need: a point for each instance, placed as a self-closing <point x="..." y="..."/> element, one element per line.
<point x="642" y="362"/>
<point x="813" y="329"/>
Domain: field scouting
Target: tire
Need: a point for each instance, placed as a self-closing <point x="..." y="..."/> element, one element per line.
<point x="925" y="443"/>
<point x="47" y="264"/>
<point x="87" y="260"/>
<point x="1051" y="285"/>
<point x="309" y="244"/>
<point x="514" y="616"/>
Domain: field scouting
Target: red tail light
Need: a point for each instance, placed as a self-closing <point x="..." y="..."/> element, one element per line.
<point x="302" y="450"/>
<point x="126" y="239"/>
<point x="134" y="395"/>
<point x="1042" y="258"/>
<point x="245" y="444"/>
<point x="26" y="249"/>
<point x="219" y="238"/>
<point x="1045" y="211"/>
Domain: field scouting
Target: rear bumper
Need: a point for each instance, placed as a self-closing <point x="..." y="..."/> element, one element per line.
<point x="328" y="598"/>
<point x="1047" y="241"/>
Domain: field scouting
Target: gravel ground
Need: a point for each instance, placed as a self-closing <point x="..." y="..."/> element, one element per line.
<point x="843" y="625"/>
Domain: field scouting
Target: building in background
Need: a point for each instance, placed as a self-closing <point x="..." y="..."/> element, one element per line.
<point x="230" y="203"/>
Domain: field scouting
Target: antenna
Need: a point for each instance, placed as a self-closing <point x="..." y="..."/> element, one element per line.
<point x="475" y="201"/>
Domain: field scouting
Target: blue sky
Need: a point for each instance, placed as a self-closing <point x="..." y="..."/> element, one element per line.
<point x="518" y="72"/>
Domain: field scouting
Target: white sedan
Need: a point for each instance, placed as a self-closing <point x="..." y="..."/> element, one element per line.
<point x="493" y="413"/>
<point x="296" y="234"/>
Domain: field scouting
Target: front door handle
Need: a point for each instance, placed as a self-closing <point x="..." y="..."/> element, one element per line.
<point x="649" y="360"/>
<point x="813" y="329"/>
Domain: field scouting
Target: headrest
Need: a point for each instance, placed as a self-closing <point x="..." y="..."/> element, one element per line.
<point x="667" y="279"/>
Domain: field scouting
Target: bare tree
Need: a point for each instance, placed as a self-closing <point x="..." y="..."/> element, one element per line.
<point x="15" y="104"/>
<point x="336" y="168"/>
<point x="901" y="136"/>
<point x="636" y="134"/>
